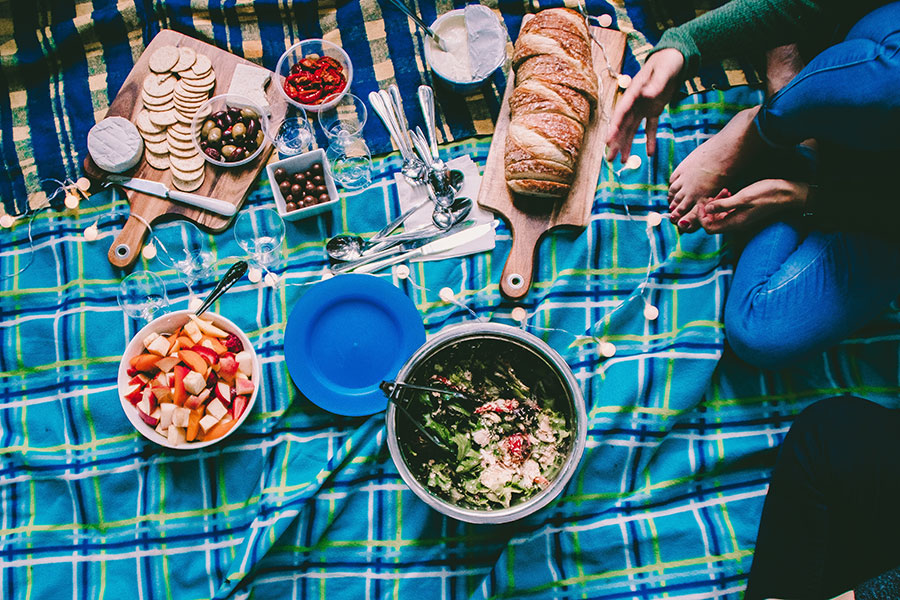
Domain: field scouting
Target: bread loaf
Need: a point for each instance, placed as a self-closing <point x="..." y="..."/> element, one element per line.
<point x="551" y="104"/>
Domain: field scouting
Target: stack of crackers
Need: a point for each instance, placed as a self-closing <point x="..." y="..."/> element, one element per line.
<point x="181" y="82"/>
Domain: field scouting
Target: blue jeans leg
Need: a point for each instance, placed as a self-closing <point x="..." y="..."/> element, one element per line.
<point x="796" y="292"/>
<point x="847" y="95"/>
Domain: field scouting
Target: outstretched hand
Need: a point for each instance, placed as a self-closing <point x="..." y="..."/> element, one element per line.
<point x="752" y="204"/>
<point x="646" y="96"/>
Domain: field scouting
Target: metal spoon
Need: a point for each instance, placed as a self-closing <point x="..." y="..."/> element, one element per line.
<point x="409" y="13"/>
<point x="445" y="218"/>
<point x="346" y="246"/>
<point x="233" y="275"/>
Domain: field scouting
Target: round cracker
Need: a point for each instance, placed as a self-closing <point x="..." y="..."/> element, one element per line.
<point x="188" y="164"/>
<point x="198" y="82"/>
<point x="144" y="124"/>
<point x="187" y="175"/>
<point x="152" y="108"/>
<point x="187" y="119"/>
<point x="154" y="138"/>
<point x="163" y="118"/>
<point x="202" y="65"/>
<point x="187" y="186"/>
<point x="180" y="144"/>
<point x="192" y="98"/>
<point x="157" y="161"/>
<point x="179" y="135"/>
<point x="157" y="147"/>
<point x="186" y="59"/>
<point x="164" y="59"/>
<point x="156" y="86"/>
<point x="183" y="154"/>
<point x="156" y="100"/>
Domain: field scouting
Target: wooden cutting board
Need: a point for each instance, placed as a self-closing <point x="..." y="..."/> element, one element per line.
<point x="530" y="218"/>
<point x="228" y="184"/>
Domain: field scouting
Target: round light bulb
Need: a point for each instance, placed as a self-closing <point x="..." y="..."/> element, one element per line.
<point x="6" y="221"/>
<point x="71" y="200"/>
<point x="149" y="251"/>
<point x="271" y="279"/>
<point x="401" y="271"/>
<point x="634" y="161"/>
<point x="519" y="314"/>
<point x="83" y="184"/>
<point x="623" y="80"/>
<point x="604" y="20"/>
<point x="92" y="233"/>
<point x="254" y="274"/>
<point x="651" y="313"/>
<point x="607" y="349"/>
<point x="654" y="219"/>
<point x="446" y="294"/>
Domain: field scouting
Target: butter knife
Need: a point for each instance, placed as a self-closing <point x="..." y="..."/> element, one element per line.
<point x="450" y="242"/>
<point x="155" y="188"/>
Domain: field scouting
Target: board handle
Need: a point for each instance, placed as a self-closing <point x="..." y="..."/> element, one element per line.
<point x="127" y="245"/>
<point x="518" y="271"/>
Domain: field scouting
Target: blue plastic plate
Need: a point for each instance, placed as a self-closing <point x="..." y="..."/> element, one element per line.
<point x="345" y="336"/>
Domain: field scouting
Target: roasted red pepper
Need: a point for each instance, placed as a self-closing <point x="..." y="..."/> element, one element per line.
<point x="314" y="79"/>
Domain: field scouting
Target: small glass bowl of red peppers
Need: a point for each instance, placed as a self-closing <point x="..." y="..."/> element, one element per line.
<point x="315" y="74"/>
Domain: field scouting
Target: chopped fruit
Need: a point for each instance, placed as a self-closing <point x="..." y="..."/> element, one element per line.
<point x="168" y="410"/>
<point x="208" y="328"/>
<point x="194" y="361"/>
<point x="237" y="409"/>
<point x="167" y="364"/>
<point x="194" y="382"/>
<point x="145" y="363"/>
<point x="159" y="346"/>
<point x="179" y="394"/>
<point x="245" y="362"/>
<point x="181" y="416"/>
<point x="228" y="366"/>
<point x="191" y="329"/>
<point x="233" y="343"/>
<point x="176" y="435"/>
<point x="223" y="393"/>
<point x="244" y="387"/>
<point x="209" y="355"/>
<point x="193" y="427"/>
<point x="216" y="409"/>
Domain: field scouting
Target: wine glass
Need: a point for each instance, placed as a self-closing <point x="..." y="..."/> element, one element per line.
<point x="260" y="232"/>
<point x="351" y="161"/>
<point x="347" y="117"/>
<point x="183" y="247"/>
<point x="293" y="135"/>
<point x="142" y="294"/>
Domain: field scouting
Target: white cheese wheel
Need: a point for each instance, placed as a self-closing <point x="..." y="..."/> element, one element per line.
<point x="115" y="144"/>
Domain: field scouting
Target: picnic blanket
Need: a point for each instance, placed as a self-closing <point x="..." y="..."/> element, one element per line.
<point x="300" y="503"/>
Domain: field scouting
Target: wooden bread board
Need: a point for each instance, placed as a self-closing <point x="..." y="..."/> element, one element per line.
<point x="228" y="184"/>
<point x="530" y="218"/>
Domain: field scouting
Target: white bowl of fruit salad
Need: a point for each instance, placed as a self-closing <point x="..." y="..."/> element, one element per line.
<point x="188" y="382"/>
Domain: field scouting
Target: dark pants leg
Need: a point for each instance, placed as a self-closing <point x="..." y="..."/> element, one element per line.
<point x="832" y="515"/>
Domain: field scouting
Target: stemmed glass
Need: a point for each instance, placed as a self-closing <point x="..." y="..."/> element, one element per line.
<point x="260" y="232"/>
<point x="347" y="152"/>
<point x="183" y="247"/>
<point x="142" y="294"/>
<point x="293" y="135"/>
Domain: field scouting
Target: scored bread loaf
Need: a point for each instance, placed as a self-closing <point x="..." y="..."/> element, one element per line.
<point x="551" y="104"/>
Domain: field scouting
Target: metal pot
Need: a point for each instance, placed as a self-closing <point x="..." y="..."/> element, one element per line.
<point x="575" y="406"/>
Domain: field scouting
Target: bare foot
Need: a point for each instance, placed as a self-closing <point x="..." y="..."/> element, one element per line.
<point x="711" y="167"/>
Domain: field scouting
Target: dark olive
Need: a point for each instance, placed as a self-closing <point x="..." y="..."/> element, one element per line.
<point x="228" y="151"/>
<point x="280" y="174"/>
<point x="220" y="123"/>
<point x="318" y="179"/>
<point x="207" y="126"/>
<point x="228" y="120"/>
<point x="234" y="112"/>
<point x="214" y="136"/>
<point x="308" y="200"/>
<point x="218" y="115"/>
<point x="291" y="206"/>
<point x="239" y="154"/>
<point x="252" y="128"/>
<point x="204" y="145"/>
<point x="213" y="154"/>
<point x="321" y="189"/>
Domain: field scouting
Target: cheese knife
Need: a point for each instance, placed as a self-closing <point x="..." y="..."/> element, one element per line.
<point x="155" y="188"/>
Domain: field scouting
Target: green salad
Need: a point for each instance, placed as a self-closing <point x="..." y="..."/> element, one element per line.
<point x="507" y="437"/>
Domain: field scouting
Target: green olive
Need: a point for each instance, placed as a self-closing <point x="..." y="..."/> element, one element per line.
<point x="214" y="135"/>
<point x="238" y="130"/>
<point x="249" y="113"/>
<point x="228" y="151"/>
<point x="207" y="127"/>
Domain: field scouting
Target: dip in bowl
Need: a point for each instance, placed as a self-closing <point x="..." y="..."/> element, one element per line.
<point x="515" y="434"/>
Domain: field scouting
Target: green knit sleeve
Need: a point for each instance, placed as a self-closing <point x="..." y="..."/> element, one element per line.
<point x="740" y="27"/>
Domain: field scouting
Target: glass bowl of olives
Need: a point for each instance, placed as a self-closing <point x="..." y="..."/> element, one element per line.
<point x="302" y="185"/>
<point x="232" y="132"/>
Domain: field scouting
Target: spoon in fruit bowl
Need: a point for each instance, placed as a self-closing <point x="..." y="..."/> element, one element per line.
<point x="233" y="275"/>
